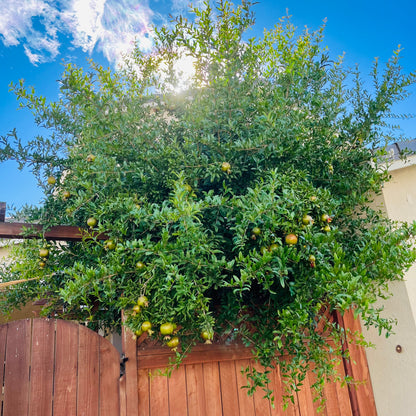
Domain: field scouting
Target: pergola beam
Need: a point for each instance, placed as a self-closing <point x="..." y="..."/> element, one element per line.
<point x="13" y="230"/>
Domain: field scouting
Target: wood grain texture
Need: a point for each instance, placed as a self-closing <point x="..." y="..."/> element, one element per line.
<point x="109" y="379"/>
<point x="360" y="371"/>
<point x="88" y="373"/>
<point x="42" y="367"/>
<point x="245" y="402"/>
<point x="213" y="402"/>
<point x="3" y="340"/>
<point x="178" y="403"/>
<point x="159" y="357"/>
<point x="195" y="389"/>
<point x="16" y="377"/>
<point x="159" y="395"/>
<point x="229" y="389"/>
<point x="56" y="233"/>
<point x="66" y="367"/>
<point x="143" y="393"/>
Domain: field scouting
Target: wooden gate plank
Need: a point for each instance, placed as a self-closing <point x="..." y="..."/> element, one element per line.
<point x="229" y="389"/>
<point x="178" y="403"/>
<point x="109" y="379"/>
<point x="143" y="393"/>
<point x="245" y="402"/>
<point x="88" y="373"/>
<point x="3" y="341"/>
<point x="159" y="396"/>
<point x="66" y="365"/>
<point x="16" y="377"/>
<point x="213" y="402"/>
<point x="41" y="374"/>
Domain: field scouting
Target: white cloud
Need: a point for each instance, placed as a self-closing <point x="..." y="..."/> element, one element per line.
<point x="17" y="26"/>
<point x="111" y="26"/>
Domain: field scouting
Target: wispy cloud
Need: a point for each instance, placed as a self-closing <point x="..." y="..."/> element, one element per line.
<point x="111" y="26"/>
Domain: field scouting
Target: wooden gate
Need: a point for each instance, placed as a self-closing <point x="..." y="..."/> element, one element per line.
<point x="58" y="368"/>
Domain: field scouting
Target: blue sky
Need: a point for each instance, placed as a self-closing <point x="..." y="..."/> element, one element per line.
<point x="36" y="36"/>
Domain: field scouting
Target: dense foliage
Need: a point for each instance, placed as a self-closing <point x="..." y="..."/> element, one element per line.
<point x="241" y="205"/>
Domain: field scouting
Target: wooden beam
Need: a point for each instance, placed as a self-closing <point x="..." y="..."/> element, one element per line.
<point x="2" y="211"/>
<point x="15" y="230"/>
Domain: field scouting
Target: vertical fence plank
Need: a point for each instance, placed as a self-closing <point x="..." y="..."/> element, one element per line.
<point x="195" y="389"/>
<point x="143" y="393"/>
<point x="279" y="390"/>
<point x="213" y="402"/>
<point x="229" y="389"/>
<point x="16" y="378"/>
<point x="41" y="375"/>
<point x="159" y="396"/>
<point x="177" y="392"/>
<point x="360" y="371"/>
<point x="109" y="379"/>
<point x="261" y="404"/>
<point x="88" y="373"/>
<point x="66" y="365"/>
<point x="344" y="402"/>
<point x="3" y="341"/>
<point x="245" y="402"/>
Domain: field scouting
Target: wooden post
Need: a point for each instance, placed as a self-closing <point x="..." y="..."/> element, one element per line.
<point x="129" y="381"/>
<point x="2" y="211"/>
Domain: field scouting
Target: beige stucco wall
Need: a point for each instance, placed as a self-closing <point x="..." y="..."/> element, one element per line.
<point x="393" y="374"/>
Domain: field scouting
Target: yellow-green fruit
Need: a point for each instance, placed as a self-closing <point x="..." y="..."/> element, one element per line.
<point x="273" y="247"/>
<point x="110" y="245"/>
<point x="66" y="194"/>
<point x="325" y="217"/>
<point x="90" y="158"/>
<point x="140" y="265"/>
<point x="138" y="332"/>
<point x="291" y="239"/>
<point x="91" y="222"/>
<point x="307" y="219"/>
<point x="51" y="180"/>
<point x="312" y="258"/>
<point x="136" y="308"/>
<point x="256" y="231"/>
<point x="166" y="328"/>
<point x="206" y="335"/>
<point x="173" y="342"/>
<point x="42" y="264"/>
<point x="327" y="228"/>
<point x="143" y="301"/>
<point x="146" y="326"/>
<point x="44" y="252"/>
<point x="225" y="167"/>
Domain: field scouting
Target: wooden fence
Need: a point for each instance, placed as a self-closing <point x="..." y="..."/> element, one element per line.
<point x="59" y="368"/>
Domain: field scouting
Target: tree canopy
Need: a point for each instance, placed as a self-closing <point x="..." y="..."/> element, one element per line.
<point x="240" y="204"/>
